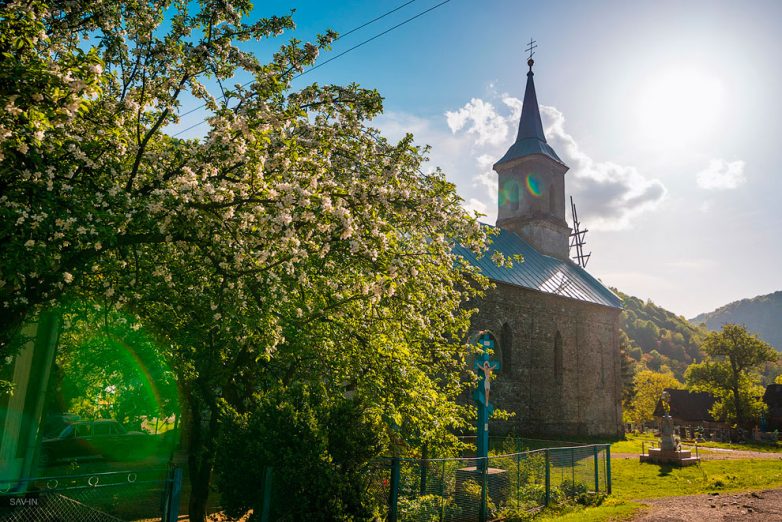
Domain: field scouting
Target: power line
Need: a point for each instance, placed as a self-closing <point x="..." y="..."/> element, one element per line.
<point x="374" y="20"/>
<point x="343" y="53"/>
<point x="339" y="37"/>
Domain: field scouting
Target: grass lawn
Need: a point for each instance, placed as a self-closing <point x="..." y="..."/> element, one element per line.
<point x="746" y="446"/>
<point x="633" y="443"/>
<point x="608" y="511"/>
<point x="633" y="481"/>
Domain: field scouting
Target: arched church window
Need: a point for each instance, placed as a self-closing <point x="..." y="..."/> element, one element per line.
<point x="506" y="347"/>
<point x="558" y="363"/>
<point x="552" y="201"/>
<point x="514" y="196"/>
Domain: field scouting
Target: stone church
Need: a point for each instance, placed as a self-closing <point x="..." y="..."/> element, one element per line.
<point x="556" y="327"/>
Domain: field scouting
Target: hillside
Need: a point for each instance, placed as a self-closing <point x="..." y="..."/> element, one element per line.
<point x="656" y="337"/>
<point x="762" y="315"/>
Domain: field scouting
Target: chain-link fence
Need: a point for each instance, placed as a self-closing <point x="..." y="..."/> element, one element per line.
<point x="476" y="489"/>
<point x="513" y="444"/>
<point x="97" y="497"/>
<point x="465" y="489"/>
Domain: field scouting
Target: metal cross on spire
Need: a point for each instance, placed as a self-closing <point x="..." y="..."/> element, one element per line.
<point x="530" y="49"/>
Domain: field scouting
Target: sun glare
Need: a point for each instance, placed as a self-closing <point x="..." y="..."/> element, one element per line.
<point x="679" y="107"/>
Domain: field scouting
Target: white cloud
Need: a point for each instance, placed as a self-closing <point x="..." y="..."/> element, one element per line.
<point x="480" y="119"/>
<point x="722" y="175"/>
<point x="450" y="152"/>
<point x="486" y="176"/>
<point x="475" y="205"/>
<point x="468" y="141"/>
<point x="515" y="105"/>
<point x="610" y="195"/>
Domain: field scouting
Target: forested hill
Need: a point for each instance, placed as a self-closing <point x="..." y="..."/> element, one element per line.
<point x="762" y="315"/>
<point x="658" y="338"/>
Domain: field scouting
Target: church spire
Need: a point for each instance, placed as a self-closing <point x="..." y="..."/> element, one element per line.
<point x="530" y="139"/>
<point x="530" y="125"/>
<point x="531" y="180"/>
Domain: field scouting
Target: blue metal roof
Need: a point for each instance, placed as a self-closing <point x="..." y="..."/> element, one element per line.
<point x="539" y="272"/>
<point x="527" y="147"/>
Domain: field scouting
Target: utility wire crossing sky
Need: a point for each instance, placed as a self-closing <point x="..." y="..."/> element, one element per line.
<point x="661" y="111"/>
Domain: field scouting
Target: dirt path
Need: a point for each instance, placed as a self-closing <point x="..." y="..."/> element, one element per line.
<point x="760" y="506"/>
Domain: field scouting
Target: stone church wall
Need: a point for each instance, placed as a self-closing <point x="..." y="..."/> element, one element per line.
<point x="561" y="369"/>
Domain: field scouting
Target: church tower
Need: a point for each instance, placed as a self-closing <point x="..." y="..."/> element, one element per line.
<point x="532" y="184"/>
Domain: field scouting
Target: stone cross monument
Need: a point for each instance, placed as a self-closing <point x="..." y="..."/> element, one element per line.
<point x="667" y="441"/>
<point x="669" y="452"/>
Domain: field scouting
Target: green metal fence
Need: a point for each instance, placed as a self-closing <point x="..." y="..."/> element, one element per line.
<point x="463" y="489"/>
<point x="97" y="497"/>
<point x="474" y="489"/>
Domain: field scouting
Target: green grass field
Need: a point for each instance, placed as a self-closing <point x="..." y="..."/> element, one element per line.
<point x="634" y="482"/>
<point x="746" y="446"/>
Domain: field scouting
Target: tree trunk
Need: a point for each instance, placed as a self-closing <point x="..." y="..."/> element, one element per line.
<point x="737" y="405"/>
<point x="200" y="457"/>
<point x="200" y="475"/>
<point x="736" y="375"/>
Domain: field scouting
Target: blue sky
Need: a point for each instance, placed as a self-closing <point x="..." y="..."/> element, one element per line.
<point x="666" y="112"/>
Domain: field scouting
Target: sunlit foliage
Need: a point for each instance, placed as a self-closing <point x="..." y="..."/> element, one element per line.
<point x="292" y="246"/>
<point x="730" y="373"/>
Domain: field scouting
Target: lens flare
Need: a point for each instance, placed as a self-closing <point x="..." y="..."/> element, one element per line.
<point x="122" y="375"/>
<point x="509" y="194"/>
<point x="533" y="186"/>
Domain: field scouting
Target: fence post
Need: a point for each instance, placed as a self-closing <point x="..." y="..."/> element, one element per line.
<point x="174" y="492"/>
<point x="597" y="470"/>
<point x="608" y="469"/>
<point x="483" y="513"/>
<point x="548" y="479"/>
<point x="424" y="469"/>
<point x="442" y="493"/>
<point x="518" y="478"/>
<point x="267" y="494"/>
<point x="573" y="467"/>
<point x="394" y="498"/>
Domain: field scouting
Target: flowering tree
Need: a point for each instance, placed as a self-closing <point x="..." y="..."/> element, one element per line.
<point x="85" y="166"/>
<point x="291" y="246"/>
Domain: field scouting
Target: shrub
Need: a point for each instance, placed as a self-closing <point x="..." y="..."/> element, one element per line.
<point x="427" y="508"/>
<point x="578" y="492"/>
<point x="320" y="456"/>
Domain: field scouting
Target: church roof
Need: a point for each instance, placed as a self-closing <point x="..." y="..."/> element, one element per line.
<point x="530" y="139"/>
<point x="687" y="405"/>
<point x="539" y="272"/>
<point x="773" y="399"/>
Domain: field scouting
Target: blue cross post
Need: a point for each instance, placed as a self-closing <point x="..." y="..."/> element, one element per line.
<point x="484" y="368"/>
